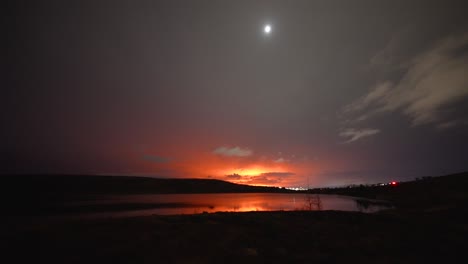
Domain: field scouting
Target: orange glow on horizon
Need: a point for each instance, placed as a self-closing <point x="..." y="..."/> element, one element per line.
<point x="253" y="170"/>
<point x="255" y="175"/>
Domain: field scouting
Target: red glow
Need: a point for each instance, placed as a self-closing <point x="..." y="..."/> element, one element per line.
<point x="195" y="159"/>
<point x="393" y="183"/>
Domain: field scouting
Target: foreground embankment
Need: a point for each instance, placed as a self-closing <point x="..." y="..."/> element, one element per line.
<point x="253" y="237"/>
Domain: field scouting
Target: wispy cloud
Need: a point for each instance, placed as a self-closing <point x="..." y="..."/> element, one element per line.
<point x="378" y="93"/>
<point x="352" y="134"/>
<point x="451" y="124"/>
<point x="430" y="84"/>
<point x="279" y="160"/>
<point x="233" y="152"/>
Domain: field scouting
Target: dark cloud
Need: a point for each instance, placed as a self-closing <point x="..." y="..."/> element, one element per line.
<point x="277" y="174"/>
<point x="234" y="176"/>
<point x="266" y="178"/>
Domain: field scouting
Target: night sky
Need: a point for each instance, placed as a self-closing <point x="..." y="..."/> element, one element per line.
<point x="338" y="92"/>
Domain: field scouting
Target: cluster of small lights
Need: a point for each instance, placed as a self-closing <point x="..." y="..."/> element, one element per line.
<point x="296" y="188"/>
<point x="393" y="183"/>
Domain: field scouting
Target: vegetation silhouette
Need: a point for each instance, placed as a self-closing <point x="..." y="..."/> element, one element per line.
<point x="312" y="202"/>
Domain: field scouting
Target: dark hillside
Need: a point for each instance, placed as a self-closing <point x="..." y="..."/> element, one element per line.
<point x="441" y="192"/>
<point x="102" y="185"/>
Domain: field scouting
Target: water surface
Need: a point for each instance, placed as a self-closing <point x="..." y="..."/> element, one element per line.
<point x="171" y="204"/>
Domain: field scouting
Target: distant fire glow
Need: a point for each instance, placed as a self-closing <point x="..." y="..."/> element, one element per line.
<point x="249" y="171"/>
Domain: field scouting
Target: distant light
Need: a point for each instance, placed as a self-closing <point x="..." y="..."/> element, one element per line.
<point x="296" y="188"/>
<point x="393" y="183"/>
<point x="267" y="29"/>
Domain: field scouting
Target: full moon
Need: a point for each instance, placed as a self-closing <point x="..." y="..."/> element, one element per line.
<point x="267" y="29"/>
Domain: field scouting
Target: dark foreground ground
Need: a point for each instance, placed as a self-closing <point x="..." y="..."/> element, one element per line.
<point x="255" y="237"/>
<point x="428" y="232"/>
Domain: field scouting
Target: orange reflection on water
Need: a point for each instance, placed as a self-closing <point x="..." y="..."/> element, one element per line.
<point x="173" y="204"/>
<point x="225" y="202"/>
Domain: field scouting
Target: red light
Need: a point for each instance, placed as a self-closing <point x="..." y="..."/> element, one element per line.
<point x="393" y="183"/>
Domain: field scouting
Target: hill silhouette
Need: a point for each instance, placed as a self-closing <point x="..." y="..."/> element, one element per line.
<point x="44" y="194"/>
<point x="102" y="185"/>
<point x="428" y="193"/>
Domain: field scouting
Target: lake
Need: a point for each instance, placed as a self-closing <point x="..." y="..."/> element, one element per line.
<point x="172" y="204"/>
